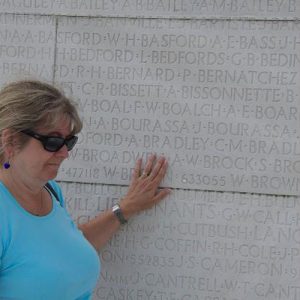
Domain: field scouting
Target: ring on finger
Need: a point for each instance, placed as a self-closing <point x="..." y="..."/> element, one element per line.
<point x="144" y="174"/>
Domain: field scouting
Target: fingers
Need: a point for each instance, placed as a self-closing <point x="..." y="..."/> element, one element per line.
<point x="154" y="174"/>
<point x="157" y="168"/>
<point x="137" y="168"/>
<point x="148" y="166"/>
<point x="142" y="193"/>
<point x="161" y="173"/>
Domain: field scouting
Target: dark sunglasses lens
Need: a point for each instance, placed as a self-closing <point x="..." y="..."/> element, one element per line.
<point x="53" y="144"/>
<point x="71" y="142"/>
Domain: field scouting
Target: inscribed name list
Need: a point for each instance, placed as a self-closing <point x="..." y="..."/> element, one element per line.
<point x="26" y="47"/>
<point x="218" y="98"/>
<point x="197" y="245"/>
<point x="271" y="9"/>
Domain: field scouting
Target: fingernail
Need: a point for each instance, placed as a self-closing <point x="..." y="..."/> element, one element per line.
<point x="162" y="160"/>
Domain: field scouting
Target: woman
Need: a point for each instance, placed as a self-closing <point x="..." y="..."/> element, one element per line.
<point x="43" y="255"/>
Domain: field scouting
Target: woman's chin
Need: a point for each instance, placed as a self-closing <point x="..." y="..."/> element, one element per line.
<point x="53" y="171"/>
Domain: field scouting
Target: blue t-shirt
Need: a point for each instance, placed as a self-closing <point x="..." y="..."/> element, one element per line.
<point x="45" y="257"/>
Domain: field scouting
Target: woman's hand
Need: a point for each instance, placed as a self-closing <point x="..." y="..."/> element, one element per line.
<point x="142" y="193"/>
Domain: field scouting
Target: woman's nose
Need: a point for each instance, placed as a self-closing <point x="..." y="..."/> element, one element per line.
<point x="63" y="151"/>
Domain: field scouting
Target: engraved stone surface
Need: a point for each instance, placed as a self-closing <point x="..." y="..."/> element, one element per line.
<point x="219" y="98"/>
<point x="272" y="9"/>
<point x="26" y="47"/>
<point x="197" y="245"/>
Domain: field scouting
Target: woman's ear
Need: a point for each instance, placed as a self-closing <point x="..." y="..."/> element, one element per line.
<point x="8" y="141"/>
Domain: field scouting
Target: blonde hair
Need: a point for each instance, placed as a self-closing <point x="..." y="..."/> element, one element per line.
<point x="28" y="104"/>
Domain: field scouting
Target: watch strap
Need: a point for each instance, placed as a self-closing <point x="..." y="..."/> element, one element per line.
<point x="118" y="213"/>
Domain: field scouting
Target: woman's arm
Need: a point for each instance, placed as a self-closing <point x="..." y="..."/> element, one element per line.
<point x="99" y="230"/>
<point x="142" y="194"/>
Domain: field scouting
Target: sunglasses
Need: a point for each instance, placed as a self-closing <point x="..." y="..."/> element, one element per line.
<point x="52" y="143"/>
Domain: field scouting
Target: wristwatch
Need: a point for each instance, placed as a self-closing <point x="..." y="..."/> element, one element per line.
<point x="118" y="213"/>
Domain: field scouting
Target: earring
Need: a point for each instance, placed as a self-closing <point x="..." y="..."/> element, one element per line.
<point x="6" y="165"/>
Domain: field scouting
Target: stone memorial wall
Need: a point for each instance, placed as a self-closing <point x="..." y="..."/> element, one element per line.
<point x="198" y="245"/>
<point x="189" y="9"/>
<point x="27" y="47"/>
<point x="212" y="85"/>
<point x="218" y="98"/>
